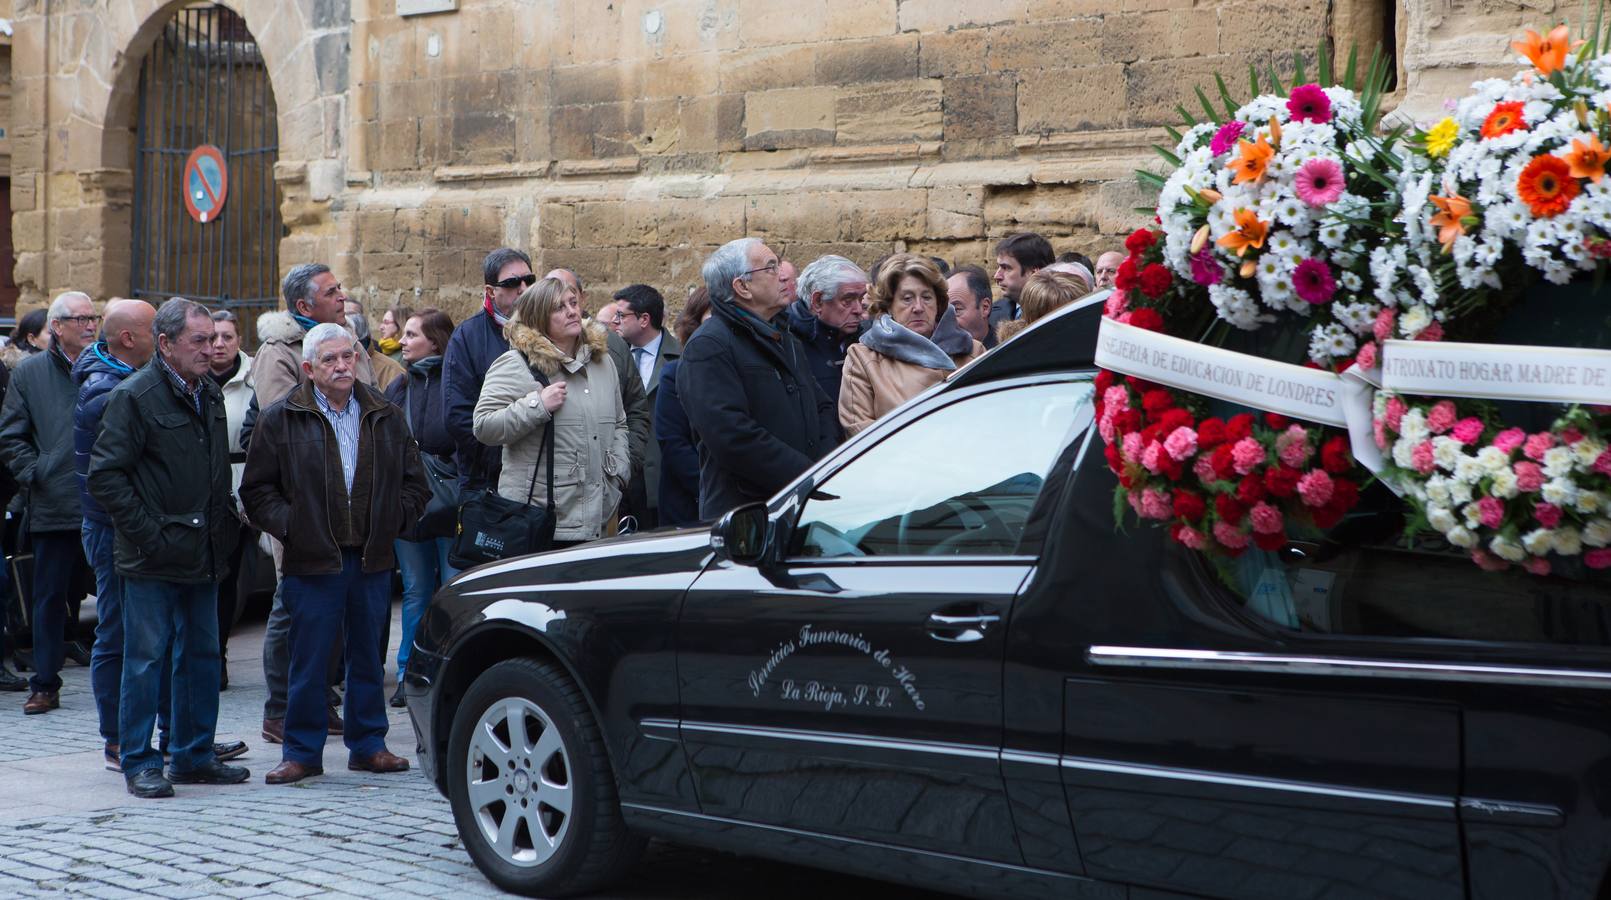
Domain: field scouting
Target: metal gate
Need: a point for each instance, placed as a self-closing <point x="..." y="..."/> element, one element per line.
<point x="205" y="83"/>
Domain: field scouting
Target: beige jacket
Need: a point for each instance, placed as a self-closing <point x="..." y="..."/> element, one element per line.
<point x="874" y="384"/>
<point x="277" y="367"/>
<point x="591" y="465"/>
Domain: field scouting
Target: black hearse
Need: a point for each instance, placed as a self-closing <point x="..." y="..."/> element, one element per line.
<point x="935" y="659"/>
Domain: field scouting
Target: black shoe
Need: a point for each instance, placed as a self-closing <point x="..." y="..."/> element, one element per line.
<point x="148" y="784"/>
<point x="398" y="701"/>
<point x="77" y="653"/>
<point x="24" y="658"/>
<point x="224" y="751"/>
<point x="11" y="681"/>
<point x="212" y="773"/>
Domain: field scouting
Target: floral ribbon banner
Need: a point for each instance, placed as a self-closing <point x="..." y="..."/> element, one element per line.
<point x="1497" y="371"/>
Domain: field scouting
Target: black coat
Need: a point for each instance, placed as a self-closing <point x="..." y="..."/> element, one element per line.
<point x="679" y="453"/>
<point x="1004" y="310"/>
<point x="419" y="395"/>
<point x="761" y="417"/>
<point x="36" y="439"/>
<point x="161" y="470"/>
<point x="825" y="347"/>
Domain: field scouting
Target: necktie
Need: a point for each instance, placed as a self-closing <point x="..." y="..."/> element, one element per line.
<point x="639" y="354"/>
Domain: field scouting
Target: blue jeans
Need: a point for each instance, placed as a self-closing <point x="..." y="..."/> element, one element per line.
<point x="319" y="607"/>
<point x="106" y="659"/>
<point x="57" y="555"/>
<point x="425" y="568"/>
<point x="159" y="618"/>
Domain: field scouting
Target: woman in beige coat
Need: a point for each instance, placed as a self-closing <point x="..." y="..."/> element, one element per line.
<point x="913" y="343"/>
<point x="582" y="403"/>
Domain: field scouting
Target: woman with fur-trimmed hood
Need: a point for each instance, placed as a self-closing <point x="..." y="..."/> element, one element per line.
<point x="582" y="403"/>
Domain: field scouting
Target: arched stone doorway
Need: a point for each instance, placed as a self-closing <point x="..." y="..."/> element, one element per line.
<point x="206" y="216"/>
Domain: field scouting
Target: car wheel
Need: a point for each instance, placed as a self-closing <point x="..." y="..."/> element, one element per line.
<point x="531" y="788"/>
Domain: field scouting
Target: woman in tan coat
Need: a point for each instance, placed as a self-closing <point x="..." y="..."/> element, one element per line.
<point x="582" y="403"/>
<point x="913" y="344"/>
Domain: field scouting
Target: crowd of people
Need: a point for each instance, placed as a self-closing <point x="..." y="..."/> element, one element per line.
<point x="143" y="445"/>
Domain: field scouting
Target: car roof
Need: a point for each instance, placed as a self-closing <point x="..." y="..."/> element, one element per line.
<point x="1062" y="341"/>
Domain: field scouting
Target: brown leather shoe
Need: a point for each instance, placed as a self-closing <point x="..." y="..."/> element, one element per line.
<point x="274" y="731"/>
<point x="290" y="772"/>
<point x="333" y="720"/>
<point x="41" y="702"/>
<point x="383" y="762"/>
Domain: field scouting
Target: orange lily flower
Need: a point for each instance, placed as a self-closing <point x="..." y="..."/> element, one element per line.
<point x="1547" y="53"/>
<point x="1252" y="162"/>
<point x="1250" y="232"/>
<point x="1448" y="220"/>
<point x="1588" y="160"/>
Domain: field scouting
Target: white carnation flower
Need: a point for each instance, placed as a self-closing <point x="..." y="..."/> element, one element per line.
<point x="1559" y="491"/>
<point x="1568" y="541"/>
<point x="1440" y="518"/>
<point x="1597" y="533"/>
<point x="1539" y="541"/>
<point x="1503" y="485"/>
<point x="1461" y="537"/>
<point x="1507" y="549"/>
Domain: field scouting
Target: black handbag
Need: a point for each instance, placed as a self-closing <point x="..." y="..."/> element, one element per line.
<point x="492" y="527"/>
<point x="441" y="515"/>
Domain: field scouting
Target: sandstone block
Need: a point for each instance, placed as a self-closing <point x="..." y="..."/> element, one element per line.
<point x="375" y="232"/>
<point x="1049" y="210"/>
<point x="896" y="111"/>
<point x="28" y="231"/>
<point x="1023" y="48"/>
<point x="861" y="18"/>
<point x="600" y="224"/>
<point x="807" y="217"/>
<point x="1153" y="88"/>
<point x="881" y="215"/>
<point x="763" y="23"/>
<point x="1117" y="202"/>
<point x="953" y="52"/>
<point x="1127" y="37"/>
<point x="766" y="68"/>
<point x="892" y="58"/>
<point x="556" y="226"/>
<point x="689" y="75"/>
<point x="730" y="122"/>
<point x="955" y="213"/>
<point x="1041" y="10"/>
<point x="1071" y="99"/>
<point x="980" y="106"/>
<point x="1263" y="26"/>
<point x="399" y="145"/>
<point x="795" y="117"/>
<point x="700" y="222"/>
<point x="944" y="15"/>
<point x="480" y="138"/>
<point x="597" y="83"/>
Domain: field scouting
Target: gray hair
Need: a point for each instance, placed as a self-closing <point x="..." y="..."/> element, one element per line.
<point x="298" y="283"/>
<point x="224" y="315"/>
<point x="173" y="315"/>
<point x="58" y="306"/>
<point x="730" y="261"/>
<point x="828" y="274"/>
<point x="321" y="334"/>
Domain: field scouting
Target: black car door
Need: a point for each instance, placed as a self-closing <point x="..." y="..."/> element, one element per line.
<point x="852" y="685"/>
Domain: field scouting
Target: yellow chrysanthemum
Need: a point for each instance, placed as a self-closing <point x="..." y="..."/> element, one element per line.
<point x="1442" y="137"/>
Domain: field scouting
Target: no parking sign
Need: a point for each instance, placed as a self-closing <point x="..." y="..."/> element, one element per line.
<point x="205" y="183"/>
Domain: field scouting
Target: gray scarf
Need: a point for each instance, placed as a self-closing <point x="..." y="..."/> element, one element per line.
<point x="950" y="337"/>
<point x="896" y="341"/>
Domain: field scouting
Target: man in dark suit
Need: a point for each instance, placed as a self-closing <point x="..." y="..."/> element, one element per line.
<point x="643" y="316"/>
<point x="1018" y="256"/>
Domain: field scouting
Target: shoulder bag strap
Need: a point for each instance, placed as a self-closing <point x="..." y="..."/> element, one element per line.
<point x="548" y="447"/>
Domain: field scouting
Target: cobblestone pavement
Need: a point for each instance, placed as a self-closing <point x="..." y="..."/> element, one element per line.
<point x="68" y="827"/>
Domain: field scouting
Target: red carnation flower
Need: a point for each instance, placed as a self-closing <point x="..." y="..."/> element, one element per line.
<point x="1147" y="320"/>
<point x="1344" y="494"/>
<point x="1115" y="462"/>
<point x="1140" y="241"/>
<point x="1250" y="489"/>
<point x="1155" y="402"/>
<point x="1240" y="426"/>
<point x="1104" y="380"/>
<point x="1229" y="509"/>
<point x="1210" y="433"/>
<point x="1155" y="280"/>
<point x="1335" y="456"/>
<point x="1127" y="421"/>
<point x="1222" y="461"/>
<point x="1153" y="432"/>
<point x="1189" y="505"/>
<point x="1326" y="516"/>
<point x="1171" y="467"/>
<point x="1281" y="481"/>
<point x="1125" y="481"/>
<point x="1172" y="419"/>
<point x="1126" y="278"/>
<point x="1275" y="420"/>
<point x="1272" y="541"/>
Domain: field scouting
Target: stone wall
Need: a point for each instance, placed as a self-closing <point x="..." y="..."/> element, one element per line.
<point x="627" y="139"/>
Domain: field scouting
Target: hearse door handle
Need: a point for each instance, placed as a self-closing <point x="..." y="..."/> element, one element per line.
<point x="961" y="625"/>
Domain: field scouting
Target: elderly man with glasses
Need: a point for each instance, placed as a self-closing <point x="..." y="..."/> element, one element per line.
<point x="760" y="416"/>
<point x="828" y="317"/>
<point x="36" y="439"/>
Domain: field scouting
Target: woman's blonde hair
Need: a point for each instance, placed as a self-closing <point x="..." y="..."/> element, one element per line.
<point x="537" y="303"/>
<point x="896" y="268"/>
<point x="1044" y="292"/>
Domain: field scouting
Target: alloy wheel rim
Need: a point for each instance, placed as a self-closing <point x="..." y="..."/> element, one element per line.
<point x="519" y="776"/>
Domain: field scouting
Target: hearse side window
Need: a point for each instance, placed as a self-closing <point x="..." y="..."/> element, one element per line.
<point x="960" y="481"/>
<point x="1382" y="588"/>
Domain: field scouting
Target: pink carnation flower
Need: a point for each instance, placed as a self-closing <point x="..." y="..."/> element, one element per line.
<point x="1598" y="559"/>
<point x="1441" y="416"/>
<point x="1383" y="329"/>
<point x="1547" y="514"/>
<point x="1467" y="430"/>
<point x="1529" y="477"/>
<point x="1116" y="304"/>
<point x="1379" y="431"/>
<point x="1131" y="448"/>
<point x="1602" y="463"/>
<point x="1181" y="443"/>
<point x="1230" y="535"/>
<point x="1366" y="358"/>
<point x="1315" y="488"/>
<point x="1491" y="512"/>
<point x="1192" y="538"/>
<point x="1421" y="458"/>
<point x="1536" y="445"/>
<point x="1204" y="469"/>
<point x="1105" y="428"/>
<point x="1156" y="504"/>
<point x="1433" y="332"/>
<point x="1116" y="398"/>
<point x="1247" y="455"/>
<point x="1319" y="181"/>
<point x="1509" y="439"/>
<point x="1293" y="446"/>
<point x="1395" y="413"/>
<point x="1571" y="436"/>
<point x="1309" y="103"/>
<point x="1536" y="565"/>
<point x="1152" y="457"/>
<point x="1266" y="518"/>
<point x="1488" y="561"/>
<point x="1225" y="138"/>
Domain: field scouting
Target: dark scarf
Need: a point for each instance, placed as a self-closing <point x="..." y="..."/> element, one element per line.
<point x="222" y="378"/>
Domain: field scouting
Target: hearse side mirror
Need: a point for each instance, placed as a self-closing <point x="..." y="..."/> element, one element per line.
<point x="742" y="535"/>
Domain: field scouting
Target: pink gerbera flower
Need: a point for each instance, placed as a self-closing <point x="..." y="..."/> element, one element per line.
<point x="1225" y="138"/>
<point x="1314" y="282"/>
<point x="1319" y="181"/>
<point x="1308" y="103"/>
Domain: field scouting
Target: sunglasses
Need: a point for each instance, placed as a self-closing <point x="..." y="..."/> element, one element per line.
<point x="515" y="281"/>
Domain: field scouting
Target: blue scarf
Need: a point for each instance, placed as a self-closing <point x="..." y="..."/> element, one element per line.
<point x="306" y="323"/>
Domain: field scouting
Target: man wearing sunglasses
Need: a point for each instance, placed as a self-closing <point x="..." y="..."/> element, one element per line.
<point x="478" y="341"/>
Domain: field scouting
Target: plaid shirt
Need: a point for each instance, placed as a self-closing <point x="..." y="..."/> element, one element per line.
<point x="193" y="392"/>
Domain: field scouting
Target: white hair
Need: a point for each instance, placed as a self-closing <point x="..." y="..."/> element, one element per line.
<point x="731" y="260"/>
<point x="828" y="274"/>
<point x="322" y="334"/>
<point x="58" y="306"/>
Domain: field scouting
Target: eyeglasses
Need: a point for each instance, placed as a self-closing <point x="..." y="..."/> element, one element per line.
<point x="80" y="320"/>
<point x="515" y="281"/>
<point x="769" y="267"/>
